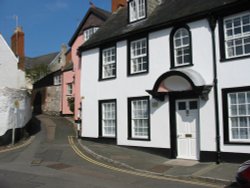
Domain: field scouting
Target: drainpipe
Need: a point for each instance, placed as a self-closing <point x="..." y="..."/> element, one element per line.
<point x="212" y="24"/>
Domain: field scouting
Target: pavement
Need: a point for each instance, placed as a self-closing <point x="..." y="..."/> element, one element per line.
<point x="222" y="174"/>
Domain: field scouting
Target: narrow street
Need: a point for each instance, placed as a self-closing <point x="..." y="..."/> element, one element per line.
<point x="50" y="161"/>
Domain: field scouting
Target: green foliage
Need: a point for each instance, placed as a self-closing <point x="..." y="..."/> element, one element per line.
<point x="71" y="103"/>
<point x="37" y="72"/>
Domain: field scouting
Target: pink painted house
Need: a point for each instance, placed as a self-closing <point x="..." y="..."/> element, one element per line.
<point x="91" y="22"/>
<point x="68" y="92"/>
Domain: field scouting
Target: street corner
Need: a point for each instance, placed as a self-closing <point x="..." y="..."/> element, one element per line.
<point x="21" y="144"/>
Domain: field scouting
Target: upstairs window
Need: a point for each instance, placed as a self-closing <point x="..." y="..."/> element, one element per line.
<point x="138" y="61"/>
<point x="57" y="80"/>
<point x="69" y="89"/>
<point x="137" y="10"/>
<point x="237" y="35"/>
<point x="181" y="47"/>
<point x="89" y="32"/>
<point x="108" y="63"/>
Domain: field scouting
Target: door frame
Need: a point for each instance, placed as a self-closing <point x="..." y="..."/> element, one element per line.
<point x="173" y="97"/>
<point x="197" y="140"/>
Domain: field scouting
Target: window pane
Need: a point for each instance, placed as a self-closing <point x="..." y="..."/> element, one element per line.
<point x="193" y="105"/>
<point x="234" y="110"/>
<point x="235" y="133"/>
<point x="241" y="98"/>
<point x="243" y="122"/>
<point x="243" y="133"/>
<point x="233" y="99"/>
<point x="234" y="122"/>
<point x="182" y="105"/>
<point x="242" y="110"/>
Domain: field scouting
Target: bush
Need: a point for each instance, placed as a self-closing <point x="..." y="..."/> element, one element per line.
<point x="71" y="103"/>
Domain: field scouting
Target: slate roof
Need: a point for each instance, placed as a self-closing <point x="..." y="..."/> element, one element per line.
<point x="165" y="15"/>
<point x="44" y="59"/>
<point x="101" y="13"/>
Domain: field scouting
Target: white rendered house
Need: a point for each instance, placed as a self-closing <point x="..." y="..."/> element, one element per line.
<point x="15" y="109"/>
<point x="170" y="76"/>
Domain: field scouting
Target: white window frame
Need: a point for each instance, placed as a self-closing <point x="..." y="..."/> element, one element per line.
<point x="138" y="56"/>
<point x="236" y="41"/>
<point x="182" y="47"/>
<point x="108" y="63"/>
<point x="57" y="79"/>
<point x="137" y="10"/>
<point x="239" y="109"/>
<point x="140" y="118"/>
<point x="69" y="89"/>
<point x="89" y="32"/>
<point x="108" y="119"/>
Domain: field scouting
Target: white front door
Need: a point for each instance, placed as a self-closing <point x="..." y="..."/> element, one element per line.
<point x="187" y="120"/>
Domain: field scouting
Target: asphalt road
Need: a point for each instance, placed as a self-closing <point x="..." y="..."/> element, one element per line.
<point x="49" y="161"/>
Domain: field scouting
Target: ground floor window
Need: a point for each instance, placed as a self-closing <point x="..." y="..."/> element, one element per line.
<point x="138" y="118"/>
<point x="237" y="114"/>
<point x="107" y="113"/>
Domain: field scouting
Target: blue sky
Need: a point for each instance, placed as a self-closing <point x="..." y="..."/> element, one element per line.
<point x="47" y="24"/>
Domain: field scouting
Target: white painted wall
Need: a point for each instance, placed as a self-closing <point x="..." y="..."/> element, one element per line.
<point x="231" y="74"/>
<point x="159" y="62"/>
<point x="12" y="115"/>
<point x="12" y="88"/>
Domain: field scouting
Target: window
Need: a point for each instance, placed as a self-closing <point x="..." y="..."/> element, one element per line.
<point x="237" y="35"/>
<point x="137" y="10"/>
<point x="237" y="115"/>
<point x="89" y="32"/>
<point x="69" y="89"/>
<point x="57" y="79"/>
<point x="138" y="61"/>
<point x="108" y="118"/>
<point x="108" y="63"/>
<point x="139" y="118"/>
<point x="181" y="47"/>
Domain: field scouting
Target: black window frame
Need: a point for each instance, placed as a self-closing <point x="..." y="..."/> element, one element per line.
<point x="130" y="40"/>
<point x="101" y="62"/>
<point x="221" y="32"/>
<point x="172" y="49"/>
<point x="225" y="113"/>
<point x="130" y="100"/>
<point x="100" y="103"/>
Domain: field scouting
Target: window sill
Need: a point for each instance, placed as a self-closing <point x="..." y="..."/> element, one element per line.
<point x="138" y="73"/>
<point x="236" y="143"/>
<point x="139" y="139"/>
<point x="222" y="60"/>
<point x="181" y="66"/>
<point x="104" y="79"/>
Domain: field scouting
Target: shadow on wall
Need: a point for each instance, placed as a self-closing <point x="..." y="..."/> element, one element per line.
<point x="37" y="103"/>
<point x="32" y="128"/>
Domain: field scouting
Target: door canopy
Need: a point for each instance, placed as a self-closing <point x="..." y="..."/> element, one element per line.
<point x="181" y="81"/>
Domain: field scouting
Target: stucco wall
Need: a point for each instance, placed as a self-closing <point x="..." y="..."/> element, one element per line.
<point x="15" y="109"/>
<point x="123" y="87"/>
<point x="52" y="103"/>
<point x="67" y="79"/>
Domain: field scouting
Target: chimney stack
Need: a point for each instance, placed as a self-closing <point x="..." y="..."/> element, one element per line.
<point x="116" y="4"/>
<point x="17" y="46"/>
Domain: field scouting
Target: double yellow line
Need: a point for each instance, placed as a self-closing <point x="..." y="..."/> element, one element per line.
<point x="18" y="146"/>
<point x="83" y="156"/>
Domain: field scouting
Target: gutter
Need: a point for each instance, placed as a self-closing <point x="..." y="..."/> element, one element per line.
<point x="212" y="23"/>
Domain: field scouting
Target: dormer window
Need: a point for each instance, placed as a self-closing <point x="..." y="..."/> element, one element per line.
<point x="89" y="32"/>
<point x="137" y="10"/>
